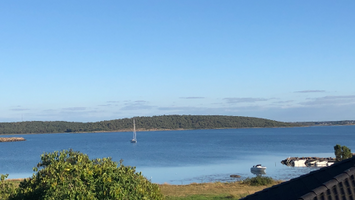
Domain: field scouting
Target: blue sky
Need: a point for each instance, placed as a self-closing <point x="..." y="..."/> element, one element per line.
<point x="88" y="60"/>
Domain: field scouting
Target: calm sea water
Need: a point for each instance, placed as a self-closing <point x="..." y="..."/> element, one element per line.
<point x="182" y="157"/>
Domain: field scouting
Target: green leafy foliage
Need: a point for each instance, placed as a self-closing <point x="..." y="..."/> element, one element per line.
<point x="346" y="152"/>
<point x="338" y="152"/>
<point x="259" y="181"/>
<point x="72" y="175"/>
<point x="6" y="188"/>
<point x="143" y="123"/>
<point x="342" y="152"/>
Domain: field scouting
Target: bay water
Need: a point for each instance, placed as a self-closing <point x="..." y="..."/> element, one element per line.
<point x="182" y="157"/>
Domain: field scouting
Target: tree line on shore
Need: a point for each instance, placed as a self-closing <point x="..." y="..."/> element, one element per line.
<point x="164" y="122"/>
<point x="327" y="123"/>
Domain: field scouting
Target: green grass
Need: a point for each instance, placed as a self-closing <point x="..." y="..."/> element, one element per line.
<point x="216" y="190"/>
<point x="205" y="197"/>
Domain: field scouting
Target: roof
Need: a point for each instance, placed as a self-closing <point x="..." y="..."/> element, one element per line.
<point x="329" y="183"/>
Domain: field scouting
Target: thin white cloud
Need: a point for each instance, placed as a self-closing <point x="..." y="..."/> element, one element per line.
<point x="192" y="97"/>
<point x="178" y="108"/>
<point x="137" y="105"/>
<point x="49" y="110"/>
<point x="315" y="109"/>
<point x="282" y="102"/>
<point x="140" y="101"/>
<point x="243" y="100"/>
<point x="112" y="102"/>
<point x="330" y="100"/>
<point x="192" y="110"/>
<point x="310" y="91"/>
<point x="105" y="105"/>
<point x="19" y="109"/>
<point x="75" y="108"/>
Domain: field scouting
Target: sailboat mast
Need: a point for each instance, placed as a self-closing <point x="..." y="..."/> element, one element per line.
<point x="134" y="129"/>
<point x="134" y="140"/>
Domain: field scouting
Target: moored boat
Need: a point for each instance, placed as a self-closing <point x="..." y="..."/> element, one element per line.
<point x="134" y="140"/>
<point x="258" y="167"/>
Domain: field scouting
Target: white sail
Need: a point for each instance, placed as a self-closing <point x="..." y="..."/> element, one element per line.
<point x="134" y="140"/>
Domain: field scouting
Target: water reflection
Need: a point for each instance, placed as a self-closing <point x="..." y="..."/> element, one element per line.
<point x="258" y="172"/>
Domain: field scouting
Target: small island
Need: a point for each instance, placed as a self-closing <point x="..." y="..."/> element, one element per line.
<point x="11" y="139"/>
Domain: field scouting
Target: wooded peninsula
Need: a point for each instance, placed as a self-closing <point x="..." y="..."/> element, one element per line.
<point x="164" y="122"/>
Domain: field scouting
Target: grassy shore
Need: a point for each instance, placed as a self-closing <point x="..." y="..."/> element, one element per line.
<point x="204" y="191"/>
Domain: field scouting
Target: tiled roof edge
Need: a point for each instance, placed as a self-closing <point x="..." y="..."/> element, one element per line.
<point x="308" y="196"/>
<point x="333" y="181"/>
<point x="329" y="184"/>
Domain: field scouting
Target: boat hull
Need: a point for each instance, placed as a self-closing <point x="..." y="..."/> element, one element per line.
<point x="258" y="172"/>
<point x="258" y="168"/>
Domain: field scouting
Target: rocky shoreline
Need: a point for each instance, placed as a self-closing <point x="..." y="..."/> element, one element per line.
<point x="12" y="139"/>
<point x="308" y="161"/>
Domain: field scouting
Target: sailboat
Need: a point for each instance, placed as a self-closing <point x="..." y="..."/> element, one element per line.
<point x="134" y="140"/>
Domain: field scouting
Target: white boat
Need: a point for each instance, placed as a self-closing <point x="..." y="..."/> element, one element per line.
<point x="134" y="140"/>
<point x="299" y="163"/>
<point x="258" y="167"/>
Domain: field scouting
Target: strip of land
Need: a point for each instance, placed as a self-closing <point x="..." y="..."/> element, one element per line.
<point x="11" y="139"/>
<point x="165" y="122"/>
<point x="155" y="123"/>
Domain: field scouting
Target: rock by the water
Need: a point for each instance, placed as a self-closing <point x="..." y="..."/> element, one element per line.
<point x="307" y="161"/>
<point x="11" y="139"/>
<point x="235" y="176"/>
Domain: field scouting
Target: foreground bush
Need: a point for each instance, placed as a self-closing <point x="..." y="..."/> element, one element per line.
<point x="72" y="175"/>
<point x="259" y="181"/>
<point x="6" y="188"/>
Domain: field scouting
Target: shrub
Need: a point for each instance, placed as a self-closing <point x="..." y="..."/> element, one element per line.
<point x="259" y="180"/>
<point x="342" y="152"/>
<point x="6" y="188"/>
<point x="72" y="175"/>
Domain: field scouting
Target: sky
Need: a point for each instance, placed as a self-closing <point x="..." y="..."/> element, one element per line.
<point x="89" y="61"/>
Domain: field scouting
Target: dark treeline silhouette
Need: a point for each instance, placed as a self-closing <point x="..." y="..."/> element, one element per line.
<point x="170" y="122"/>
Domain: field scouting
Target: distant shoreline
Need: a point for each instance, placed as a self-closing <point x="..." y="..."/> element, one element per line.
<point x="149" y="130"/>
<point x="155" y="123"/>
